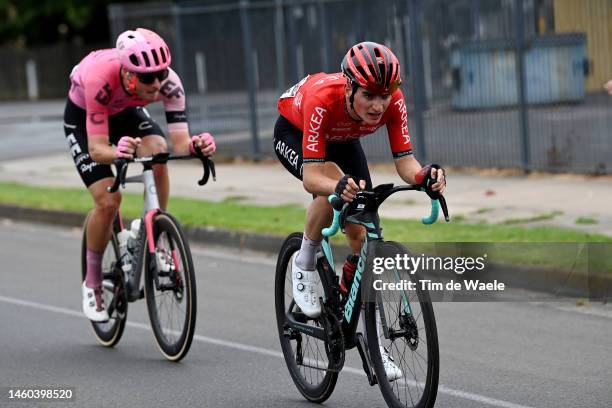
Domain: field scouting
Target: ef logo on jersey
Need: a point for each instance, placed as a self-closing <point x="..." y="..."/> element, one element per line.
<point x="171" y="90"/>
<point x="104" y="95"/>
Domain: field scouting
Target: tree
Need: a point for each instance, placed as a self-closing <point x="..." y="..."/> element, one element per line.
<point x="27" y="23"/>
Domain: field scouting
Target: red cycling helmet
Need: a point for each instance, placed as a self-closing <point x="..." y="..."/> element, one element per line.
<point x="373" y="67"/>
<point x="142" y="51"/>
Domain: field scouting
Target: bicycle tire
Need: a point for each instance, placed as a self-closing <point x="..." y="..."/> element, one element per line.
<point x="178" y="292"/>
<point x="419" y="391"/>
<point x="108" y="333"/>
<point x="314" y="391"/>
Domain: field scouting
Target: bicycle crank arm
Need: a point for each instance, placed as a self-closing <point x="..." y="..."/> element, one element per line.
<point x="365" y="359"/>
<point x="317" y="332"/>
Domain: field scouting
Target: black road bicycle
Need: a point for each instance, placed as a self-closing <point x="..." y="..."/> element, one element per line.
<point x="400" y="322"/>
<point x="161" y="254"/>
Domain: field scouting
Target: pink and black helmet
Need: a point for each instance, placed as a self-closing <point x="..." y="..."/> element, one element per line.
<point x="142" y="51"/>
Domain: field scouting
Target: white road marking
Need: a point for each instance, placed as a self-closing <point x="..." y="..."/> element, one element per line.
<point x="260" y="350"/>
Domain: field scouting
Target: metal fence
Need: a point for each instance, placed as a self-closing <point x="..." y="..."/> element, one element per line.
<point x="489" y="82"/>
<point x="38" y="72"/>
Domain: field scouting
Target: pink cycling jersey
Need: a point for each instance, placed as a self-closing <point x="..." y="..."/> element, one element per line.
<point x="96" y="87"/>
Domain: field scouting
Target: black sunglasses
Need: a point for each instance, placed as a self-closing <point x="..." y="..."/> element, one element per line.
<point x="149" y="77"/>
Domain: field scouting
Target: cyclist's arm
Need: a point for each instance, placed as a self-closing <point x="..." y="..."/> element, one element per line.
<point x="173" y="96"/>
<point x="97" y="97"/>
<point x="316" y="181"/>
<point x="316" y="118"/>
<point x="407" y="167"/>
<point x="406" y="164"/>
<point x="180" y="142"/>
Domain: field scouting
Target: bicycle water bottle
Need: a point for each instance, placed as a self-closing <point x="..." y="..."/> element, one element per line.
<point x="133" y="237"/>
<point x="125" y="257"/>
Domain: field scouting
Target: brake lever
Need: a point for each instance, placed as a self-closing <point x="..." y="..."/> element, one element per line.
<point x="209" y="167"/>
<point x="121" y="165"/>
<point x="436" y="195"/>
<point x="442" y="202"/>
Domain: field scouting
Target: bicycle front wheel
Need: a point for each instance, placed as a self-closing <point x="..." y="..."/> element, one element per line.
<point x="401" y="325"/>
<point x="170" y="288"/>
<point x="113" y="291"/>
<point x="305" y="356"/>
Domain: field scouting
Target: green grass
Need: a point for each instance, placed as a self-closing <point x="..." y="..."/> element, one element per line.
<point x="586" y="220"/>
<point x="484" y="210"/>
<point x="281" y="220"/>
<point x="541" y="217"/>
<point x="235" y="198"/>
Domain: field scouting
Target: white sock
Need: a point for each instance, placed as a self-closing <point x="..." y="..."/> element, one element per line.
<point x="306" y="258"/>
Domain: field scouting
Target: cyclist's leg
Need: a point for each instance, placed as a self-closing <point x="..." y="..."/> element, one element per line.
<point x="288" y="148"/>
<point x="95" y="177"/>
<point x="136" y="122"/>
<point x="351" y="159"/>
<point x="99" y="227"/>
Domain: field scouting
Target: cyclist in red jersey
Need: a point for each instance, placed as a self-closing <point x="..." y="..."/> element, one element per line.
<point x="316" y="138"/>
<point x="105" y="119"/>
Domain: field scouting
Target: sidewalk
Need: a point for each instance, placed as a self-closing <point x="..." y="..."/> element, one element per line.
<point x="558" y="200"/>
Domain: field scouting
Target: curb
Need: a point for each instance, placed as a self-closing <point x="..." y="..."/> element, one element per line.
<point x="560" y="283"/>
<point x="205" y="235"/>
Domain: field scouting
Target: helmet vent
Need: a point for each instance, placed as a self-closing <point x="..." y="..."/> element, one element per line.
<point x="362" y="71"/>
<point x="146" y="59"/>
<point x="134" y="60"/>
<point x="131" y="36"/>
<point x="155" y="57"/>
<point x="163" y="54"/>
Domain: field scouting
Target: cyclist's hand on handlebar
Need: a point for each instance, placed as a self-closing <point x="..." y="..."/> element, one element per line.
<point x="440" y="177"/>
<point x="347" y="188"/>
<point x="205" y="142"/>
<point x="126" y="147"/>
<point x="436" y="174"/>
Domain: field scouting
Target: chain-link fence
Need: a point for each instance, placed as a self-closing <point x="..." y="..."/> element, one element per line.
<point x="503" y="83"/>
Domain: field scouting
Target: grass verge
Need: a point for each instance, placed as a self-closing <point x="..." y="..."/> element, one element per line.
<point x="281" y="220"/>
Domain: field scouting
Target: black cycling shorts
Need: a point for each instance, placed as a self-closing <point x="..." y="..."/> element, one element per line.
<point x="133" y="121"/>
<point x="349" y="156"/>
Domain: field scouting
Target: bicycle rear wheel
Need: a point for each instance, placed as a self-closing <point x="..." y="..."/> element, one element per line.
<point x="113" y="290"/>
<point x="170" y="288"/>
<point x="305" y="356"/>
<point x="403" y="323"/>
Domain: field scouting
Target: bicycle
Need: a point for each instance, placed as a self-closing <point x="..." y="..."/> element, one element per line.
<point x="160" y="253"/>
<point x="314" y="349"/>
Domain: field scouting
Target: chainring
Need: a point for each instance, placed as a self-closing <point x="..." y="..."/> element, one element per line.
<point x="334" y="346"/>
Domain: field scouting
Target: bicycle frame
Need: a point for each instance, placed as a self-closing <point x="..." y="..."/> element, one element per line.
<point x="151" y="208"/>
<point x="368" y="218"/>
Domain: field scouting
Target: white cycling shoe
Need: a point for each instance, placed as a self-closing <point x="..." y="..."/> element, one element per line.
<point x="393" y="371"/>
<point x="94" y="311"/>
<point x="305" y="290"/>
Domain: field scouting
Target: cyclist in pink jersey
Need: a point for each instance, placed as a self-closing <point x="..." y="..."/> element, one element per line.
<point x="316" y="138"/>
<point x="105" y="119"/>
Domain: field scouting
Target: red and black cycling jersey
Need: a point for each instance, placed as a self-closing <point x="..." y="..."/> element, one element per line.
<point x="316" y="105"/>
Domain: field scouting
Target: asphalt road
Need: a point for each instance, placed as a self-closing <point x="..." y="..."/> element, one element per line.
<point x="492" y="354"/>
